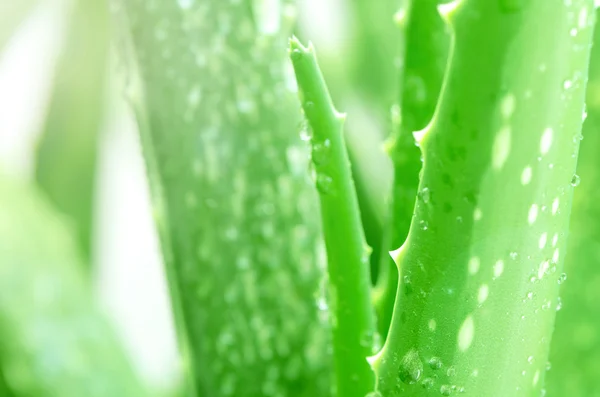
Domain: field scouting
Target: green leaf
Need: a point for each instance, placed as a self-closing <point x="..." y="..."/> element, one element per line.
<point x="66" y="154"/>
<point x="425" y="58"/>
<point x="53" y="339"/>
<point x="12" y="14"/>
<point x="575" y="350"/>
<point x="352" y="319"/>
<point x="236" y="214"/>
<point x="475" y="306"/>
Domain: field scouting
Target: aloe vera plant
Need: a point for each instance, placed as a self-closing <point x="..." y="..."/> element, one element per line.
<point x="573" y="365"/>
<point x="232" y="199"/>
<point x="474" y="310"/>
<point x="263" y="238"/>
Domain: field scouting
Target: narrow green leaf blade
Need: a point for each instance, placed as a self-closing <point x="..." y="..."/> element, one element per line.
<point x="353" y="319"/>
<point x="425" y="58"/>
<point x="66" y="153"/>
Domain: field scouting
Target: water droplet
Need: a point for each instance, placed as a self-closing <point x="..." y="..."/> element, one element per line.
<point x="562" y="278"/>
<point x="575" y="181"/>
<point x="548" y="365"/>
<point x="530" y="295"/>
<point x="425" y="195"/>
<point x="446" y="390"/>
<point x="423" y="224"/>
<point x="451" y="371"/>
<point x="324" y="183"/>
<point x="435" y="363"/>
<point x="370" y="341"/>
<point x="306" y="133"/>
<point x="530" y="359"/>
<point x="427" y="383"/>
<point x="513" y="255"/>
<point x="558" y="304"/>
<point x="567" y="84"/>
<point x="296" y="55"/>
<point x="411" y="367"/>
<point x="320" y="152"/>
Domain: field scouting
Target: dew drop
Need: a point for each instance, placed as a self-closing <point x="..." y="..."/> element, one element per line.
<point x="425" y="195"/>
<point x="435" y="363"/>
<point x="558" y="304"/>
<point x="324" y="183"/>
<point x="575" y="180"/>
<point x="562" y="278"/>
<point x="446" y="390"/>
<point x="411" y="367"/>
<point x="427" y="383"/>
<point x="321" y="152"/>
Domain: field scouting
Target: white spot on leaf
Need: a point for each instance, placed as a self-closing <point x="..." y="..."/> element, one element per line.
<point x="526" y="175"/>
<point x="474" y="264"/>
<point x="466" y="333"/>
<point x="546" y="141"/>
<point x="533" y="213"/>
<point x="501" y="148"/>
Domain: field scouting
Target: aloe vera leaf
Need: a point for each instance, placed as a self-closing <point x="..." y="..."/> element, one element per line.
<point x="425" y="57"/>
<point x="352" y="317"/>
<point x="66" y="153"/>
<point x="53" y="339"/>
<point x="372" y="174"/>
<point x="235" y="211"/>
<point x="476" y="298"/>
<point x="575" y="350"/>
<point x="12" y="13"/>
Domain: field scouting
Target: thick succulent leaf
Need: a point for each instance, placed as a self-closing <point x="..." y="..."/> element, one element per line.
<point x="575" y="350"/>
<point x="352" y="317"/>
<point x="53" y="340"/>
<point x="237" y="216"/>
<point x="425" y="58"/>
<point x="478" y="286"/>
<point x="66" y="156"/>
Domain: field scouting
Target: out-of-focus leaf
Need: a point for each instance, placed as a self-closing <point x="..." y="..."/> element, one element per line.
<point x="574" y="365"/>
<point x="237" y="217"/>
<point x="53" y="340"/>
<point x="12" y="13"/>
<point x="66" y="158"/>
